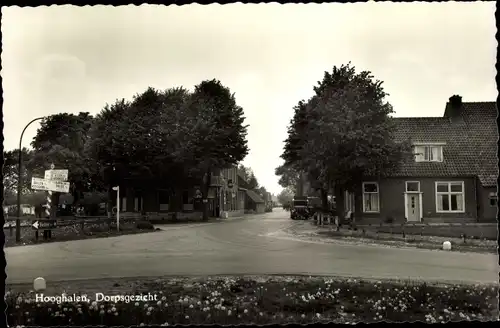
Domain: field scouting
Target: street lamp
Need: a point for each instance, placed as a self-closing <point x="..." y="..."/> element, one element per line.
<point x="20" y="181"/>
<point x="117" y="189"/>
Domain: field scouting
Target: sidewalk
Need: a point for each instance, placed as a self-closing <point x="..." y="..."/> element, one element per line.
<point x="308" y="231"/>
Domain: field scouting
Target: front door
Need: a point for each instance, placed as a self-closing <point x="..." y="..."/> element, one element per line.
<point x="413" y="207"/>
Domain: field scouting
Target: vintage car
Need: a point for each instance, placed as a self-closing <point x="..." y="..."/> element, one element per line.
<point x="299" y="209"/>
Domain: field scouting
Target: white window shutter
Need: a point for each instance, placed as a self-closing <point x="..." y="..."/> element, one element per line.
<point x="419" y="153"/>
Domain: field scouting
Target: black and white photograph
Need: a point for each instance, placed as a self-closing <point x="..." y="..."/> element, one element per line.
<point x="250" y="163"/>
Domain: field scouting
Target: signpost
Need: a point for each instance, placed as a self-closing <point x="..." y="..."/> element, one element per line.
<point x="49" y="185"/>
<point x="54" y="181"/>
<point x="57" y="175"/>
<point x="117" y="189"/>
<point x="45" y="225"/>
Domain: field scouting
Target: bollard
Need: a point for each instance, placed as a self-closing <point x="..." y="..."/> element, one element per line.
<point x="447" y="246"/>
<point x="39" y="284"/>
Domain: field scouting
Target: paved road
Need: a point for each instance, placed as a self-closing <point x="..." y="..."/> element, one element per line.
<point x="240" y="246"/>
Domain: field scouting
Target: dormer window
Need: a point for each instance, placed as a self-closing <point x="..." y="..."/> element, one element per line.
<point x="428" y="152"/>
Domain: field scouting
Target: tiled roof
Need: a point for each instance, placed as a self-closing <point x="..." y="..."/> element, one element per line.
<point x="253" y="196"/>
<point x="471" y="143"/>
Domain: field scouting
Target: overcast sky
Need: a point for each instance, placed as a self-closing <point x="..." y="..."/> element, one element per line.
<point x="71" y="59"/>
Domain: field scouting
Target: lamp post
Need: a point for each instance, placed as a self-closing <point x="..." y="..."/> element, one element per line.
<point x="20" y="181"/>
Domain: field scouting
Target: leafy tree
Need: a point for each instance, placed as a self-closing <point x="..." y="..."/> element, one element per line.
<point x="253" y="183"/>
<point x="218" y="134"/>
<point x="245" y="172"/>
<point x="147" y="138"/>
<point x="349" y="134"/>
<point x="289" y="177"/>
<point x="11" y="171"/>
<point x="61" y="140"/>
<point x="262" y="192"/>
<point x="285" y="196"/>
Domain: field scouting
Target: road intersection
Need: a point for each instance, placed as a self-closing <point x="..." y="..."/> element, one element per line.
<point x="240" y="246"/>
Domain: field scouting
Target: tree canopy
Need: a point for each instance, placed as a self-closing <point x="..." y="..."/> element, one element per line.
<point x="289" y="177"/>
<point x="11" y="171"/>
<point x="285" y="196"/>
<point x="61" y="140"/>
<point x="171" y="135"/>
<point x="145" y="137"/>
<point x="344" y="132"/>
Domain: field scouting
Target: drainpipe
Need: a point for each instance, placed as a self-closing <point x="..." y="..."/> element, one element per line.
<point x="476" y="190"/>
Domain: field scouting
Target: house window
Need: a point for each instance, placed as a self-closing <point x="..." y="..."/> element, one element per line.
<point x="429" y="153"/>
<point x="412" y="186"/>
<point x="450" y="197"/>
<point x="124" y="204"/>
<point x="493" y="199"/>
<point x="163" y="199"/>
<point x="185" y="197"/>
<point x="370" y="197"/>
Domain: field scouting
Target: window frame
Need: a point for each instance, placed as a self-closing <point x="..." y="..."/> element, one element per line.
<point x="412" y="191"/>
<point x="167" y="192"/>
<point x="364" y="195"/>
<point x="440" y="146"/>
<point x="449" y="193"/>
<point x="493" y="196"/>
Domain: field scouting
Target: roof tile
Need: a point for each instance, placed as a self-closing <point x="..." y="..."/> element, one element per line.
<point x="471" y="144"/>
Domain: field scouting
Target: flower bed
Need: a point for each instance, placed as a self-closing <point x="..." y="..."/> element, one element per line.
<point x="279" y="300"/>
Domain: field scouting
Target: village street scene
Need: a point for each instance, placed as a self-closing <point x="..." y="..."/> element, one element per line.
<point x="182" y="188"/>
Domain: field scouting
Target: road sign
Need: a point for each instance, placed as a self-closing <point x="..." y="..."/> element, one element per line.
<point x="58" y="175"/>
<point x="49" y="185"/>
<point x="44" y="224"/>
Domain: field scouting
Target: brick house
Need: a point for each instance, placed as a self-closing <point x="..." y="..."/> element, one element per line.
<point x="227" y="193"/>
<point x="156" y="199"/>
<point x="453" y="176"/>
<point x="254" y="202"/>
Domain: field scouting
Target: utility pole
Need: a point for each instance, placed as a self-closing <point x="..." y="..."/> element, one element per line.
<point x="20" y="181"/>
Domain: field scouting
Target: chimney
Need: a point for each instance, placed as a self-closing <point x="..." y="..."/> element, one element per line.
<point x="454" y="109"/>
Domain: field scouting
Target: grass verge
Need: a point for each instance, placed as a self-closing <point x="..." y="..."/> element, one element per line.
<point x="418" y="241"/>
<point x="75" y="232"/>
<point x="369" y="235"/>
<point x="254" y="300"/>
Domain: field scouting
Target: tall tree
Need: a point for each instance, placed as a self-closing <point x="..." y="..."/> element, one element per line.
<point x="289" y="177"/>
<point x="245" y="172"/>
<point x="61" y="140"/>
<point x="285" y="196"/>
<point x="147" y="138"/>
<point x="11" y="171"/>
<point x="218" y="134"/>
<point x="253" y="183"/>
<point x="349" y="135"/>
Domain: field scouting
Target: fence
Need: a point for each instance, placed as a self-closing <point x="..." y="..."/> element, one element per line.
<point x="82" y="221"/>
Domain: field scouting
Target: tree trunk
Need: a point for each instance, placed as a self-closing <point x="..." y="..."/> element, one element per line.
<point x="110" y="202"/>
<point x="324" y="200"/>
<point x="339" y="202"/>
<point x="206" y="187"/>
<point x="54" y="204"/>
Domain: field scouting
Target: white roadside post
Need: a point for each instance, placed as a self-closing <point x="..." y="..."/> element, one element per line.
<point x="117" y="189"/>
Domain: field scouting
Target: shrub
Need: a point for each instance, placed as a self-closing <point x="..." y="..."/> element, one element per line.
<point x="144" y="225"/>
